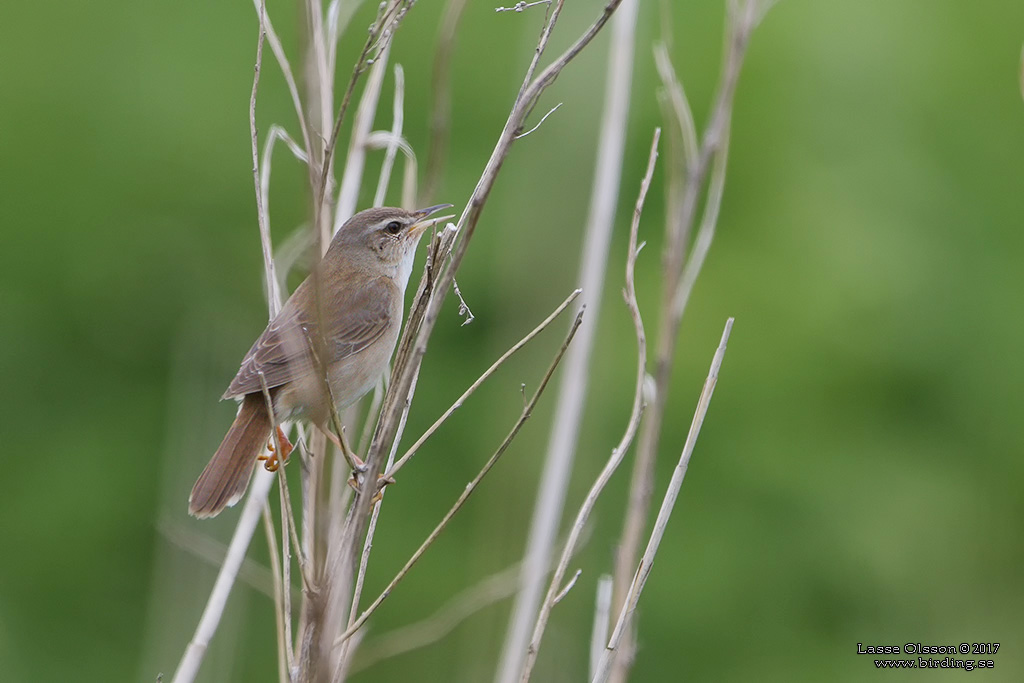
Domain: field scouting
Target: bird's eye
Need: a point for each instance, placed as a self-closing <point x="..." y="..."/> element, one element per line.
<point x="393" y="228"/>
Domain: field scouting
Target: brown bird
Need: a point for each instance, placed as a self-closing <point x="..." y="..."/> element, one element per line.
<point x="342" y="322"/>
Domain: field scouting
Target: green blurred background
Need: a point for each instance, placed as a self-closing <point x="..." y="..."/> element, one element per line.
<point x="859" y="475"/>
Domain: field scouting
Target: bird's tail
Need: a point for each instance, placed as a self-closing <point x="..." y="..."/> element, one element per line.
<point x="226" y="476"/>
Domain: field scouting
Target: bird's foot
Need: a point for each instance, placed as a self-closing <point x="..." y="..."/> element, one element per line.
<point x="382" y="481"/>
<point x="272" y="461"/>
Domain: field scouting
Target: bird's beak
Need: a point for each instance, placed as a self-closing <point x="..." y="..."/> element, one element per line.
<point x="422" y="223"/>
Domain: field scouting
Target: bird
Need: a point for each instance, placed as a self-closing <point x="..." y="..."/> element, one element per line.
<point x="332" y="340"/>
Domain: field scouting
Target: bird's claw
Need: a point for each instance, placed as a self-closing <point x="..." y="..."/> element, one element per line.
<point x="382" y="481"/>
<point x="272" y="461"/>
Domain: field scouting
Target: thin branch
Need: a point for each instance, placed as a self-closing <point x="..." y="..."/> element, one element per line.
<point x="706" y="232"/>
<point x="286" y="561"/>
<point x="276" y="133"/>
<point x="295" y="248"/>
<point x="619" y="452"/>
<point x="367" y="431"/>
<point x="319" y="80"/>
<point x="463" y="306"/>
<point x="568" y="587"/>
<point x="322" y="93"/>
<point x="338" y="16"/>
<point x="529" y="92"/>
<point x="468" y="491"/>
<point x="647" y="561"/>
<point x="262" y="183"/>
<point x="539" y="123"/>
<point x="287" y="523"/>
<point x="425" y="311"/>
<point x="522" y="5"/>
<point x="392" y="470"/>
<point x="381" y="139"/>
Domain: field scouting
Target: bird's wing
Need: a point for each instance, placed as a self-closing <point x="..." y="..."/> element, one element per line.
<point x="282" y="353"/>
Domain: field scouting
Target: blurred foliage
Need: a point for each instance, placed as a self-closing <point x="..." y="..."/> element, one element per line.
<point x="859" y="475"/>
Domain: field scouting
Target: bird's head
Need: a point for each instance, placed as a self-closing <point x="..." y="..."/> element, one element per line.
<point x="387" y="236"/>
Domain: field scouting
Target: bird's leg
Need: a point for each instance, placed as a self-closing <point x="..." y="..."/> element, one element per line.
<point x="357" y="464"/>
<point x="272" y="461"/>
<point x="353" y="460"/>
